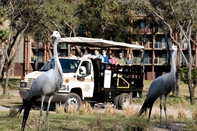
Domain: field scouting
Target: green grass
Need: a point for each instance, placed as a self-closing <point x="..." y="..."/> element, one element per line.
<point x="77" y="122"/>
<point x="86" y="120"/>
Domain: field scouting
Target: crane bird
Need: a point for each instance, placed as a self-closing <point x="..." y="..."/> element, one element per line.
<point x="44" y="85"/>
<point x="161" y="86"/>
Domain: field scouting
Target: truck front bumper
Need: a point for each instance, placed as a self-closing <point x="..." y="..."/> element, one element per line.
<point x="58" y="97"/>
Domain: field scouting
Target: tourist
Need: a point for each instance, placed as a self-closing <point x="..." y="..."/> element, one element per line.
<point x="121" y="59"/>
<point x="105" y="57"/>
<point x="87" y="53"/>
<point x="129" y="60"/>
<point x="113" y="60"/>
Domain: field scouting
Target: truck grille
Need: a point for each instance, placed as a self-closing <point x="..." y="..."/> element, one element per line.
<point x="30" y="81"/>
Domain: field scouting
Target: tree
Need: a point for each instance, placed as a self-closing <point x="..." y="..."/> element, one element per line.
<point x="107" y="19"/>
<point x="4" y="24"/>
<point x="19" y="13"/>
<point x="87" y="18"/>
<point x="61" y="15"/>
<point x="179" y="18"/>
<point x="184" y="77"/>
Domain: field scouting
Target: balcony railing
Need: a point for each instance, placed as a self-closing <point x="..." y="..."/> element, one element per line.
<point x="147" y="60"/>
<point x="160" y="45"/>
<point x="160" y="61"/>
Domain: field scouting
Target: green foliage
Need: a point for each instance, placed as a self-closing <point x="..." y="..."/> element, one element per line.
<point x="3" y="35"/>
<point x="3" y="32"/>
<point x="105" y="18"/>
<point x="184" y="76"/>
<point x="13" y="83"/>
<point x="2" y="16"/>
<point x="101" y="19"/>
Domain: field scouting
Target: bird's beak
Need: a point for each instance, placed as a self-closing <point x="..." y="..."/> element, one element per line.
<point x="51" y="36"/>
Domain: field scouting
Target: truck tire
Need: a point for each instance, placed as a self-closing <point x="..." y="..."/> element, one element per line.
<point x="73" y="99"/>
<point x="116" y="100"/>
<point x="124" y="100"/>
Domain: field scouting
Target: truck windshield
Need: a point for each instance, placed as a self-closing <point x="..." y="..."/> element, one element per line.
<point x="68" y="65"/>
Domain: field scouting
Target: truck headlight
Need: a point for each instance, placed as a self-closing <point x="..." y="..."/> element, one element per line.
<point x="23" y="84"/>
<point x="65" y="87"/>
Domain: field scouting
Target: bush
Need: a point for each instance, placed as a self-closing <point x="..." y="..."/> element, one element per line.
<point x="183" y="74"/>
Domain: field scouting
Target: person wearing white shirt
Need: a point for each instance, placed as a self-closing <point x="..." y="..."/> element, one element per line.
<point x="87" y="53"/>
<point x="97" y="55"/>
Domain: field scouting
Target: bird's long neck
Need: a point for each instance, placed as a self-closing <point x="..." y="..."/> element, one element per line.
<point x="58" y="67"/>
<point x="173" y="58"/>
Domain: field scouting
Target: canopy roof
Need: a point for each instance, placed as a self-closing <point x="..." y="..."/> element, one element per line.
<point x="95" y="42"/>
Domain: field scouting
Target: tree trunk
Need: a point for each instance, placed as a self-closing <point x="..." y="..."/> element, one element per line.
<point x="2" y="63"/>
<point x="177" y="86"/>
<point x="5" y="87"/>
<point x="192" y="98"/>
<point x="8" y="72"/>
<point x="191" y="91"/>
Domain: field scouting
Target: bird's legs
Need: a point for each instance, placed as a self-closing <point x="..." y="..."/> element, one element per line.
<point x="160" y="111"/>
<point x="41" y="108"/>
<point x="165" y="111"/>
<point x="149" y="113"/>
<point x="47" y="112"/>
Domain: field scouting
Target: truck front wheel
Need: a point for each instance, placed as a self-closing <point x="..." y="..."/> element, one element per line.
<point x="73" y="100"/>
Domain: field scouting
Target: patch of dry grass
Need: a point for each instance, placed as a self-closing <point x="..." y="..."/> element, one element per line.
<point x="194" y="115"/>
<point x="129" y="110"/>
<point x="86" y="109"/>
<point x="60" y="108"/>
<point x="110" y="109"/>
<point x="72" y="109"/>
<point x="34" y="120"/>
<point x="156" y="114"/>
<point x="171" y="117"/>
<point x="181" y="114"/>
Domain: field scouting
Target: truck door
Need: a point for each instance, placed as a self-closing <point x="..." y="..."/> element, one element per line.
<point x="86" y="71"/>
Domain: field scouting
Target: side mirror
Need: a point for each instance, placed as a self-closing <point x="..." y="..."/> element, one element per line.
<point x="88" y="68"/>
<point x="35" y="68"/>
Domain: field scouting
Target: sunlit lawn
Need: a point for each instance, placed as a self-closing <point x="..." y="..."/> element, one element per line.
<point x="105" y="119"/>
<point x="76" y="122"/>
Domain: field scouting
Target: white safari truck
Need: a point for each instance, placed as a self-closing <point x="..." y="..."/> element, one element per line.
<point x="91" y="80"/>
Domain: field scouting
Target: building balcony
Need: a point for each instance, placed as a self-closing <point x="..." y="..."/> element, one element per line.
<point x="160" y="61"/>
